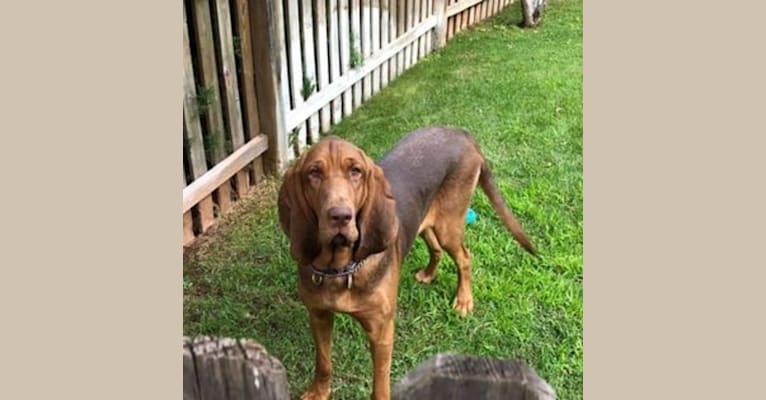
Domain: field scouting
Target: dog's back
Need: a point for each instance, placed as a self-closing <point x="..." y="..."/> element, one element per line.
<point x="427" y="161"/>
<point x="416" y="168"/>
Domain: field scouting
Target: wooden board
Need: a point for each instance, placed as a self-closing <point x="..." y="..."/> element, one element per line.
<point x="452" y="376"/>
<point x="192" y="127"/>
<point x="421" y="14"/>
<point x="462" y="5"/>
<point x="384" y="39"/>
<point x="209" y="375"/>
<point x="425" y="11"/>
<point x="193" y="131"/>
<point x="188" y="222"/>
<point x="414" y="53"/>
<point x="232" y="106"/>
<point x="208" y="68"/>
<point x="296" y="68"/>
<point x="268" y="48"/>
<point x="206" y="208"/>
<point x="188" y="229"/>
<point x="458" y="22"/>
<point x="402" y="28"/>
<point x="467" y="21"/>
<point x="375" y="41"/>
<point x="257" y="171"/>
<point x="477" y="13"/>
<point x="440" y="30"/>
<point x="204" y="185"/>
<point x="450" y="22"/>
<point x="249" y="100"/>
<point x="345" y="53"/>
<point x="190" y="386"/>
<point x="323" y="63"/>
<point x="242" y="183"/>
<point x="224" y="197"/>
<point x="310" y="64"/>
<point x="356" y="40"/>
<point x="393" y="12"/>
<point x="406" y="10"/>
<point x="412" y="21"/>
<point x="335" y="105"/>
<point x="366" y="47"/>
<point x="230" y="369"/>
<point x="247" y="89"/>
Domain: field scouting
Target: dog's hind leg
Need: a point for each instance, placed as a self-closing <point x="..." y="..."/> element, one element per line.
<point x="427" y="274"/>
<point x="451" y="238"/>
<point x="449" y="230"/>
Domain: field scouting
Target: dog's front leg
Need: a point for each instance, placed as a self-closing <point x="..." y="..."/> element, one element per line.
<point x="321" y="330"/>
<point x="380" y="332"/>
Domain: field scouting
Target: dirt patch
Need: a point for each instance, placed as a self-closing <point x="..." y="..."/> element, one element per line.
<point x="262" y="196"/>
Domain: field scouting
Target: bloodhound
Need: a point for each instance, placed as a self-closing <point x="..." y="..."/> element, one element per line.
<point x="351" y="222"/>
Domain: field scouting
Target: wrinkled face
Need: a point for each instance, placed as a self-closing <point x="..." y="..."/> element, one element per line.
<point x="334" y="174"/>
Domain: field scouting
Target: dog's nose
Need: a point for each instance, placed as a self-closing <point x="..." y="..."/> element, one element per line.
<point x="340" y="216"/>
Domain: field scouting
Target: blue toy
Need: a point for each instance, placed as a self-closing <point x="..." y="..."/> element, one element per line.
<point x="471" y="216"/>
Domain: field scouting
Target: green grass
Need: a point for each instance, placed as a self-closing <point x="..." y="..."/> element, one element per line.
<point x="520" y="93"/>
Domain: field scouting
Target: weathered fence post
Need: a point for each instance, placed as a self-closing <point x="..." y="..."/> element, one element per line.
<point x="268" y="40"/>
<point x="456" y="377"/>
<point x="440" y="31"/>
<point x="229" y="369"/>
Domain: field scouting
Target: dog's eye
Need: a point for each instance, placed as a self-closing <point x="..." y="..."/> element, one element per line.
<point x="315" y="172"/>
<point x="356" y="172"/>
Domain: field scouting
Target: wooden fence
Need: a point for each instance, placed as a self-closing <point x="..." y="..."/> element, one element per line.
<point x="228" y="369"/>
<point x="223" y="143"/>
<point x="264" y="78"/>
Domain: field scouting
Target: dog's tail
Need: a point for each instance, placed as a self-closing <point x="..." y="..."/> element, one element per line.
<point x="490" y="189"/>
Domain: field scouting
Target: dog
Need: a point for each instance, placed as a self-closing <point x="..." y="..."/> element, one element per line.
<point x="351" y="222"/>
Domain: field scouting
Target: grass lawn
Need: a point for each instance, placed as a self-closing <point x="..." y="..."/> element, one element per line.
<point x="520" y="93"/>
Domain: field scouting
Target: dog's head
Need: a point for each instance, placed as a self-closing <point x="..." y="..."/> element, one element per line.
<point x="334" y="200"/>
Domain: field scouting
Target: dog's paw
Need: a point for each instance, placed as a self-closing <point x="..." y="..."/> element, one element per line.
<point x="424" y="277"/>
<point x="317" y="392"/>
<point x="463" y="306"/>
<point x="311" y="395"/>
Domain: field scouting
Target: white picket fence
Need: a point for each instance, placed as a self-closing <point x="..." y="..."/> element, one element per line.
<point x="263" y="78"/>
<point x="336" y="54"/>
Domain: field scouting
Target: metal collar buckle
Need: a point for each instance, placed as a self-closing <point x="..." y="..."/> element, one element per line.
<point x="318" y="275"/>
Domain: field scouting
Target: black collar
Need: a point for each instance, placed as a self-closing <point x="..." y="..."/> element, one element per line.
<point x="318" y="274"/>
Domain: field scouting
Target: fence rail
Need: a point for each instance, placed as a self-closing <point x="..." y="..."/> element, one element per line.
<point x="264" y="79"/>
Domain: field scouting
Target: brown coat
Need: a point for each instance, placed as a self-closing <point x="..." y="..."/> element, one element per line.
<point x="351" y="222"/>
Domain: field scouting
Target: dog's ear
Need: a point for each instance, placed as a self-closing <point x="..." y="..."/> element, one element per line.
<point x="296" y="218"/>
<point x="377" y="221"/>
